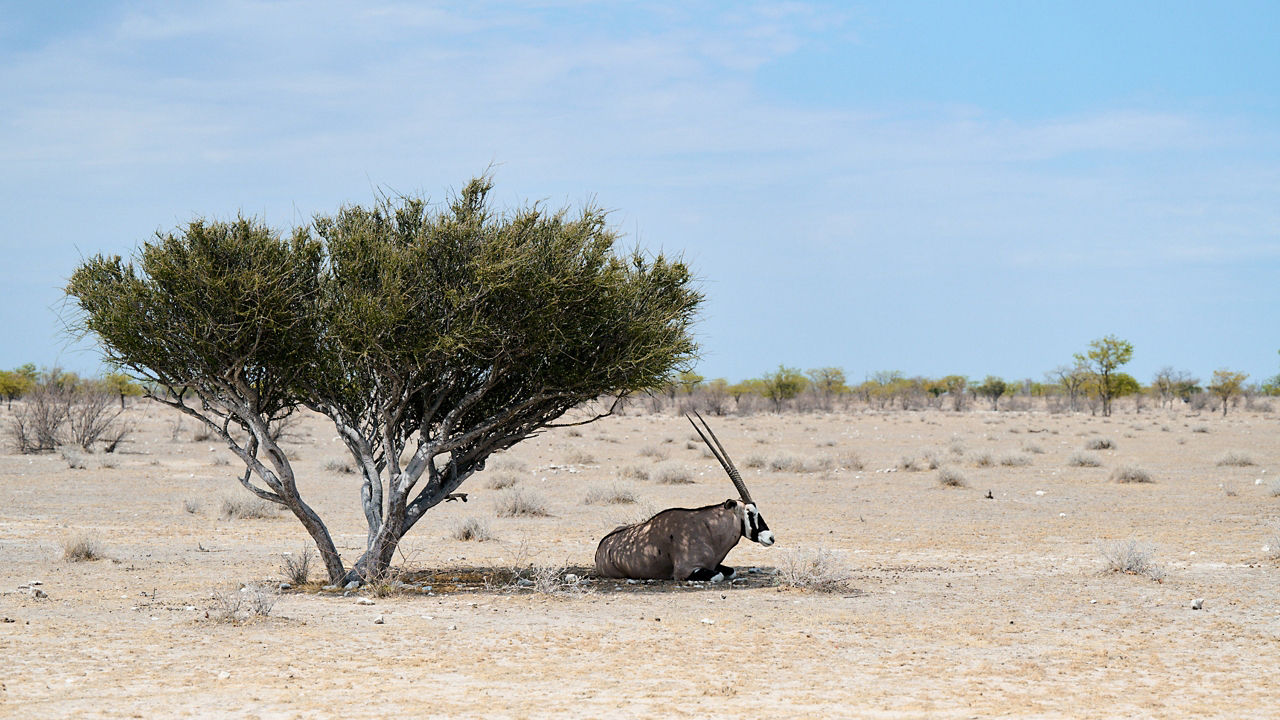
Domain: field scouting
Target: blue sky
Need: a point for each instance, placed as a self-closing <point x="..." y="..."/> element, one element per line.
<point x="973" y="188"/>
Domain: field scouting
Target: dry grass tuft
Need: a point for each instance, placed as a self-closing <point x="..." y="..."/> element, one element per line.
<point x="984" y="460"/>
<point x="1131" y="558"/>
<point x="1015" y="460"/>
<point x="191" y="505"/>
<point x="1235" y="459"/>
<point x="297" y="568"/>
<point x="471" y="530"/>
<point x="501" y="480"/>
<point x="1100" y="444"/>
<point x="950" y="477"/>
<point x="755" y="461"/>
<point x="634" y="472"/>
<point x="612" y="495"/>
<point x="579" y="457"/>
<point x="850" y="461"/>
<point x="82" y="548"/>
<point x="1130" y="474"/>
<point x="343" y="467"/>
<point x="250" y="508"/>
<point x="1084" y="460"/>
<point x="671" y="474"/>
<point x="238" y="605"/>
<point x="656" y="453"/>
<point x="818" y="570"/>
<point x="518" y="502"/>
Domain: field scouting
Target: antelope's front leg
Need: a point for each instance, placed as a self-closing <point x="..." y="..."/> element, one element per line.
<point x="720" y="574"/>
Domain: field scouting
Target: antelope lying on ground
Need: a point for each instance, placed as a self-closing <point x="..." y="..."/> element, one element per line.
<point x="685" y="544"/>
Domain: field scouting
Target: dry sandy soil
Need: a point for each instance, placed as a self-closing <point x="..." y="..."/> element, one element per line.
<point x="956" y="605"/>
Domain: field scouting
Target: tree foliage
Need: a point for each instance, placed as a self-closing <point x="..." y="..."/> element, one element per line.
<point x="781" y="385"/>
<point x="432" y="338"/>
<point x="992" y="388"/>
<point x="1104" y="357"/>
<point x="1227" y="384"/>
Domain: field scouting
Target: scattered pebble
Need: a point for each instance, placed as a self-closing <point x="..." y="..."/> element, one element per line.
<point x="352" y="585"/>
<point x="285" y="586"/>
<point x="224" y="675"/>
<point x="708" y="621"/>
<point x="364" y="601"/>
<point x="570" y="578"/>
<point x="1197" y="604"/>
<point x="378" y="620"/>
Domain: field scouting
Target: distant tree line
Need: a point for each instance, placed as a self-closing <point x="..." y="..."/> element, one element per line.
<point x="58" y="408"/>
<point x="1092" y="382"/>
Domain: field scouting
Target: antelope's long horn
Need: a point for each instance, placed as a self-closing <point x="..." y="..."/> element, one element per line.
<point x="723" y="456"/>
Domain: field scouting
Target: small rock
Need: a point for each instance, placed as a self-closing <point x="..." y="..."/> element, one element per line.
<point x="1197" y="604"/>
<point x="224" y="675"/>
<point x="570" y="578"/>
<point x="352" y="585"/>
<point x="524" y="582"/>
<point x="707" y="621"/>
<point x="40" y="593"/>
<point x="453" y="627"/>
<point x="426" y="588"/>
<point x="364" y="601"/>
<point x="329" y="587"/>
<point x="33" y="583"/>
<point x="633" y="581"/>
<point x="378" y="620"/>
<point x="285" y="586"/>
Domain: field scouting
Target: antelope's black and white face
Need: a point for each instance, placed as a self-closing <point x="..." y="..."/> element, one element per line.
<point x="754" y="527"/>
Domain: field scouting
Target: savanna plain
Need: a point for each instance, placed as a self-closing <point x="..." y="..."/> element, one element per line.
<point x="928" y="564"/>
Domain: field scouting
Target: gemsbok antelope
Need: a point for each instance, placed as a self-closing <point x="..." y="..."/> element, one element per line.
<point x="685" y="544"/>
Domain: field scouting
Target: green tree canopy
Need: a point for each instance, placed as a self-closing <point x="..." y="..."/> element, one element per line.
<point x="1227" y="384"/>
<point x="1104" y="357"/>
<point x="781" y="385"/>
<point x="431" y="338"/>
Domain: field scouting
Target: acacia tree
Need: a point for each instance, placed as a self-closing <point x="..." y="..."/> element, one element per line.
<point x="1102" y="359"/>
<point x="992" y="388"/>
<point x="783" y="384"/>
<point x="431" y="338"/>
<point x="1225" y="384"/>
<point x="827" y="382"/>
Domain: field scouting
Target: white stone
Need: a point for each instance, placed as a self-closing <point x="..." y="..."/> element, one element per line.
<point x="364" y="601"/>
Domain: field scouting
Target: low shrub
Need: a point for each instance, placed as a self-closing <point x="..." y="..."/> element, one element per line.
<point x="1130" y="474"/>
<point x="1131" y="558"/>
<point x="82" y="548"/>
<point x="471" y="530"/>
<point x="1235" y="459"/>
<point x="612" y="495"/>
<point x="247" y="508"/>
<point x="818" y="570"/>
<point x="517" y="502"/>
<point x="1084" y="460"/>
<point x="671" y="474"/>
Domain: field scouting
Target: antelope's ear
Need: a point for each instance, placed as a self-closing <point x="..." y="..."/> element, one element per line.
<point x="728" y="504"/>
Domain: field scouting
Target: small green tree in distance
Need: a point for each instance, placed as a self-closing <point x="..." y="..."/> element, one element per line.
<point x="992" y="388"/>
<point x="1227" y="384"/>
<point x="431" y="338"/>
<point x="17" y="382"/>
<point x="781" y="385"/>
<point x="1104" y="357"/>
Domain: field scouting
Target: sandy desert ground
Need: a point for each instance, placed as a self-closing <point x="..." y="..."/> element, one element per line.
<point x="957" y="606"/>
